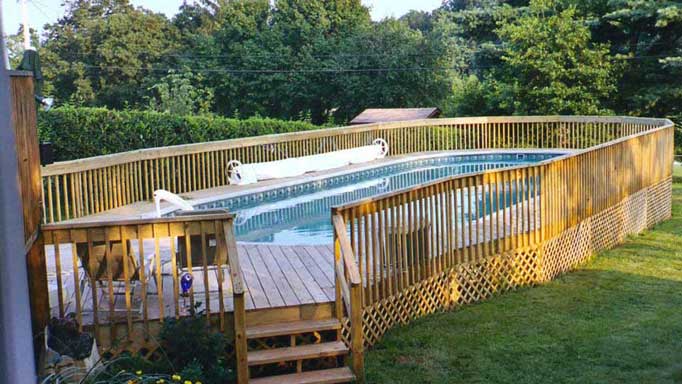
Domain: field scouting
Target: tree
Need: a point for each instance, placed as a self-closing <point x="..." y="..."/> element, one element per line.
<point x="649" y="34"/>
<point x="401" y="67"/>
<point x="179" y="94"/>
<point x="550" y="65"/>
<point x="317" y="58"/>
<point x="103" y="51"/>
<point x="419" y="20"/>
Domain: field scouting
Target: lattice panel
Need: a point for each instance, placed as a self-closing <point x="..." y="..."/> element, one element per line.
<point x="608" y="228"/>
<point x="659" y="202"/>
<point x="345" y="331"/>
<point x="426" y="297"/>
<point x="567" y="250"/>
<point x="475" y="282"/>
<point x="634" y="211"/>
<point x="467" y="283"/>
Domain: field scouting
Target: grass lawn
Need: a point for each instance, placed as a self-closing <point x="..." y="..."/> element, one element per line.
<point x="617" y="319"/>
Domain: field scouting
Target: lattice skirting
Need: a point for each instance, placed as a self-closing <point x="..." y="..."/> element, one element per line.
<point x="607" y="229"/>
<point x="464" y="284"/>
<point x="472" y="282"/>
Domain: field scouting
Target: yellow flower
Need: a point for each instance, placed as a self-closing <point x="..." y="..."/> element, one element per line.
<point x="176" y="377"/>
<point x="198" y="382"/>
<point x="188" y="382"/>
<point x="138" y="373"/>
<point x="160" y="381"/>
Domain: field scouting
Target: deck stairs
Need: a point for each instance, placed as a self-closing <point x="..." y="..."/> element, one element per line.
<point x="298" y="352"/>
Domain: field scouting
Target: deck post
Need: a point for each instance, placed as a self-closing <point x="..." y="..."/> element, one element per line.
<point x="338" y="298"/>
<point x="239" y="312"/>
<point x="356" y="333"/>
<point x="240" y="339"/>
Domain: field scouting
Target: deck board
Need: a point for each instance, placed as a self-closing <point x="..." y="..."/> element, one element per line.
<point x="297" y="285"/>
<point x="265" y="278"/>
<point x="311" y="284"/>
<point x="278" y="277"/>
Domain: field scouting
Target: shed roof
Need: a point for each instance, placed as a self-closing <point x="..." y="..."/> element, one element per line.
<point x="378" y="115"/>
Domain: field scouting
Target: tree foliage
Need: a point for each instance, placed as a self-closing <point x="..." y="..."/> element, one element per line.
<point x="327" y="60"/>
<point x="550" y="65"/>
<point x="104" y="52"/>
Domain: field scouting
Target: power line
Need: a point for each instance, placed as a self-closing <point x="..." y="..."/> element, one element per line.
<point x="270" y="55"/>
<point x="34" y="3"/>
<point x="275" y="71"/>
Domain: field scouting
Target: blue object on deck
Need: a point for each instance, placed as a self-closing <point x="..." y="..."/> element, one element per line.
<point x="186" y="282"/>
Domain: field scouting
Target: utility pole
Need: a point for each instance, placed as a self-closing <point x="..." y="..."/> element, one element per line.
<point x="27" y="29"/>
<point x="17" y="364"/>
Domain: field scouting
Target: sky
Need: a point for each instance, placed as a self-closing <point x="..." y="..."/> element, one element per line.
<point x="47" y="11"/>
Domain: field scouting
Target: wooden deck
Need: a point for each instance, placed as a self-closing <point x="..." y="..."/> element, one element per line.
<point x="275" y="276"/>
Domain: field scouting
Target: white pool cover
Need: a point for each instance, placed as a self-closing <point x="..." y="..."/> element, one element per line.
<point x="242" y="174"/>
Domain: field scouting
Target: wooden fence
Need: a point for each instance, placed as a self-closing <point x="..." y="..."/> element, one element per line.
<point x="84" y="187"/>
<point x="464" y="238"/>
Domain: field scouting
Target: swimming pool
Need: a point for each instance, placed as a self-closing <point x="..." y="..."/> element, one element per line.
<point x="300" y="214"/>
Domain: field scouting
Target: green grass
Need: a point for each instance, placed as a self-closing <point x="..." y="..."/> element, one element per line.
<point x="617" y="319"/>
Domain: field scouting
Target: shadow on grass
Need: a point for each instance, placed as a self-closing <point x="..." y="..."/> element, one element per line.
<point x="588" y="326"/>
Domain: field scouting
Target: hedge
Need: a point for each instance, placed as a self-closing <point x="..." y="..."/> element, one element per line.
<point x="85" y="132"/>
<point x="678" y="133"/>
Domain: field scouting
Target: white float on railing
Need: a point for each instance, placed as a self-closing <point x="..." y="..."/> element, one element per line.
<point x="242" y="174"/>
<point x="162" y="194"/>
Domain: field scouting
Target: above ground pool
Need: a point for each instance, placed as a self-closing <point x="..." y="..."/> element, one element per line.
<point x="301" y="213"/>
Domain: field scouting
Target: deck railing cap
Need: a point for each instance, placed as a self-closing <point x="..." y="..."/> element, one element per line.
<point x="203" y="216"/>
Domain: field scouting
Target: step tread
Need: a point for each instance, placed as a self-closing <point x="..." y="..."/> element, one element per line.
<point x="302" y="352"/>
<point x="325" y="376"/>
<point x="292" y="328"/>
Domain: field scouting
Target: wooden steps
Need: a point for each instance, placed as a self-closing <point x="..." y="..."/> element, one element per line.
<point x="325" y="376"/>
<point x="303" y="352"/>
<point x="320" y="359"/>
<point x="292" y="328"/>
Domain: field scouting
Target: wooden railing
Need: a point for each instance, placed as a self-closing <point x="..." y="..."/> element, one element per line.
<point x="464" y="238"/>
<point x="121" y="278"/>
<point x="348" y="292"/>
<point x="84" y="187"/>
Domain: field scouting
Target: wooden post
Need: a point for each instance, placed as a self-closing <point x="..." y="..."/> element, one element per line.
<point x="240" y="339"/>
<point x="239" y="313"/>
<point x="24" y="120"/>
<point x="356" y="333"/>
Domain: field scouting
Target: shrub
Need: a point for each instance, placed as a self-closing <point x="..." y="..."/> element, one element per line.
<point x="77" y="132"/>
<point x="197" y="351"/>
<point x="66" y="339"/>
<point x="189" y="350"/>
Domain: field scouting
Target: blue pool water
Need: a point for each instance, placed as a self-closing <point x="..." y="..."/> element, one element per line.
<point x="300" y="214"/>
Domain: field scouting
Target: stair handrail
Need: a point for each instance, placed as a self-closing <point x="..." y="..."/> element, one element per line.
<point x="237" y="278"/>
<point x="346" y="269"/>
